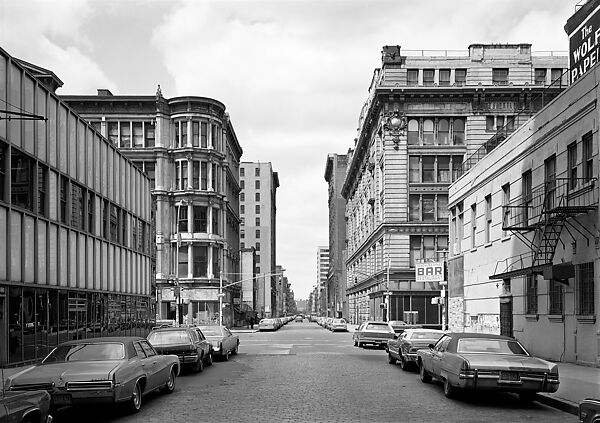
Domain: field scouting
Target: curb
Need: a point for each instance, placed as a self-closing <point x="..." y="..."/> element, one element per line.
<point x="558" y="403"/>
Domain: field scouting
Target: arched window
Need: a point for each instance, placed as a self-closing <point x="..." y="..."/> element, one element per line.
<point x="428" y="131"/>
<point x="443" y="132"/>
<point x="413" y="132"/>
<point x="459" y="131"/>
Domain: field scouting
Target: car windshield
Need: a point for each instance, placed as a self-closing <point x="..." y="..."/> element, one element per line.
<point x="211" y="330"/>
<point x="168" y="337"/>
<point x="86" y="352"/>
<point x="426" y="335"/>
<point x="493" y="346"/>
<point x="381" y="327"/>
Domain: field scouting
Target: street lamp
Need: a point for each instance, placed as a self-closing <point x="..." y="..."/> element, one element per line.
<point x="394" y="124"/>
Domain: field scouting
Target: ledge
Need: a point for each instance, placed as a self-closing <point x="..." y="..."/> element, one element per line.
<point x="532" y="317"/>
<point x="556" y="318"/>
<point x="588" y="319"/>
<point x="489" y="244"/>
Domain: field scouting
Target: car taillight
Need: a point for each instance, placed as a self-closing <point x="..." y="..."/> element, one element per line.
<point x="465" y="371"/>
<point x="553" y="376"/>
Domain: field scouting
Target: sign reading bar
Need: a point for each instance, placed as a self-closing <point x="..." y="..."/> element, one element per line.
<point x="584" y="46"/>
<point x="429" y="272"/>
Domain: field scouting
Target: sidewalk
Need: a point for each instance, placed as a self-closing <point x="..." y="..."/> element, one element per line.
<point x="576" y="384"/>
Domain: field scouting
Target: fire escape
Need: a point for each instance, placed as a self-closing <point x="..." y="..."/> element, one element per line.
<point x="546" y="212"/>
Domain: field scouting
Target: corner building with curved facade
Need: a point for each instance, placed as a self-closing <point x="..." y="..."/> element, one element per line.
<point x="75" y="244"/>
<point x="188" y="148"/>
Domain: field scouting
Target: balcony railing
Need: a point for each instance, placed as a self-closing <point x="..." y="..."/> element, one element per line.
<point x="565" y="196"/>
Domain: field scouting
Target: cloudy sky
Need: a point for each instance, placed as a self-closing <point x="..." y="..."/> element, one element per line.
<point x="293" y="74"/>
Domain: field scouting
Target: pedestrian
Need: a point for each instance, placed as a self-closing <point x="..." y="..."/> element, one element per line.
<point x="251" y="322"/>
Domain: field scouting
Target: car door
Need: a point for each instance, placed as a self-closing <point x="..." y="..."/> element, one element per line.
<point x="151" y="366"/>
<point x="437" y="356"/>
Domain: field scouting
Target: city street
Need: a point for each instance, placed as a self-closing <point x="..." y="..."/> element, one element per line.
<point x="305" y="373"/>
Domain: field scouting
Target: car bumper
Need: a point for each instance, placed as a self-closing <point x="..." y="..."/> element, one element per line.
<point x="493" y="382"/>
<point x="188" y="359"/>
<point x="380" y="342"/>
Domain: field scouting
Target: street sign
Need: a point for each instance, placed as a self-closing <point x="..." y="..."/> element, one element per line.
<point x="429" y="271"/>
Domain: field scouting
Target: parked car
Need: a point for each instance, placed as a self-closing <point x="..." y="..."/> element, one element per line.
<point x="374" y="333"/>
<point x="486" y="362"/>
<point x="97" y="370"/>
<point x="223" y="341"/>
<point x="267" y="324"/>
<point x="299" y="319"/>
<point x="589" y="411"/>
<point x="25" y="407"/>
<point x="338" y="325"/>
<point x="404" y="347"/>
<point x="188" y="344"/>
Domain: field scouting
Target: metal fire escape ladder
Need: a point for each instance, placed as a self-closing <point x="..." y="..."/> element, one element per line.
<point x="548" y="230"/>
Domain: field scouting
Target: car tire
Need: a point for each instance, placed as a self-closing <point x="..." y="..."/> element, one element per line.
<point x="424" y="374"/>
<point x="355" y="343"/>
<point x="199" y="367"/>
<point x="235" y="350"/>
<point x="391" y="359"/>
<point x="134" y="405"/>
<point x="170" y="385"/>
<point x="403" y="363"/>
<point x="209" y="359"/>
<point x="449" y="390"/>
<point x="360" y="344"/>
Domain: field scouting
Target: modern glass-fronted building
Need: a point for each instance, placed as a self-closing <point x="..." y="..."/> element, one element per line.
<point x="75" y="233"/>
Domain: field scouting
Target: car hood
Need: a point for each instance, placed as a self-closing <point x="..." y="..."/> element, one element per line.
<point x="59" y="373"/>
<point x="508" y="362"/>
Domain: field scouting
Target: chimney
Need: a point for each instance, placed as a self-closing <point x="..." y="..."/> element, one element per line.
<point x="104" y="92"/>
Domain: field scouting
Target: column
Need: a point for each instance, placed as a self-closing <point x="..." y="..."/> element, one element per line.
<point x="189" y="253"/>
<point x="209" y="220"/>
<point x="210" y="272"/>
<point x="209" y="142"/>
<point x="190" y="170"/>
<point x="189" y="132"/>
<point x="209" y="186"/>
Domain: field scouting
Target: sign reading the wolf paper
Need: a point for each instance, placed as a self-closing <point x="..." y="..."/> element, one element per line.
<point x="584" y="46"/>
<point x="429" y="272"/>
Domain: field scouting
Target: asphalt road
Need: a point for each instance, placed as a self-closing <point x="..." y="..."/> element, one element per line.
<point x="304" y="373"/>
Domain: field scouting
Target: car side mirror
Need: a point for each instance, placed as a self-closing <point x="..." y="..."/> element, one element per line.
<point x="431" y="346"/>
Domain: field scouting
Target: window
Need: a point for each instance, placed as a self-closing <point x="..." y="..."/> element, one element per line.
<point x="442" y="248"/>
<point x="257" y="233"/>
<point x="443" y="132"/>
<point x="213" y="136"/>
<point x="526" y="195"/>
<point x="510" y="123"/>
<point x="138" y="134"/>
<point x="196" y="174"/>
<point x="257" y="196"/>
<point x="428" y="201"/>
<point x="242" y="184"/>
<point x="21" y="182"/>
<point x="442" y="207"/>
<point x="443" y="168"/>
<point x="77" y="207"/>
<point x="183" y="218"/>
<point x="458" y="130"/>
<point x="257" y="246"/>
<point x="90" y="212"/>
<point x="540" y="76"/>
<point x="428" y="134"/>
<point x="182" y="261"/>
<point x="414" y="170"/>
<point x="64" y="190"/>
<point x="588" y="171"/>
<point x="150" y="137"/>
<point x="215" y="177"/>
<point x="200" y="261"/>
<point x="428" y="248"/>
<point x="490" y="123"/>
<point x="42" y="188"/>
<point x="184" y="134"/>
<point x="3" y="152"/>
<point x="184" y="174"/>
<point x="415" y="250"/>
<point x="114" y="223"/>
<point x="428" y="77"/>
<point x="243" y="196"/>
<point x="500" y="76"/>
<point x="257" y="209"/>
<point x="555" y="295"/>
<point x="113" y="132"/>
<point x="550" y="182"/>
<point x="473" y="224"/>
<point x="256" y="184"/>
<point x="200" y="220"/>
<point x="556" y="75"/>
<point x="444" y="77"/>
<point x="531" y="294"/>
<point x="413" y="132"/>
<point x="242" y="209"/>
<point x="242" y="234"/>
<point x="257" y="221"/>
<point x="414" y="208"/>
<point x="257" y="259"/>
<point x="572" y="165"/>
<point x="505" y="208"/>
<point x="125" y="135"/>
<point x="428" y="173"/>
<point x="195" y="134"/>
<point x="215" y="222"/>
<point x="412" y="77"/>
<point x="488" y="218"/>
<point x="456" y="165"/>
<point x="242" y="171"/>
<point x="460" y="226"/>
<point x="257" y="171"/>
<point x="203" y="134"/>
<point x="460" y="77"/>
<point x="585" y="288"/>
<point x="203" y="176"/>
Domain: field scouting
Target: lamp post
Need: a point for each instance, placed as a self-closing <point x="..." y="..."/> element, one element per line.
<point x="394" y="124"/>
<point x="178" y="311"/>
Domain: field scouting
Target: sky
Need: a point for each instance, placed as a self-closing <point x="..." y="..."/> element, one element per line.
<point x="293" y="74"/>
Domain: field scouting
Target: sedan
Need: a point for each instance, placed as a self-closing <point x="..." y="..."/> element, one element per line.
<point x="24" y="406"/>
<point x="267" y="324"/>
<point x="338" y="325"/>
<point x="223" y="341"/>
<point x="476" y="361"/>
<point x="374" y="333"/>
<point x="189" y="344"/>
<point x="404" y="347"/>
<point x="100" y="370"/>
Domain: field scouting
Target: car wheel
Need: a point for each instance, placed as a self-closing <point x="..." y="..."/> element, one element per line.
<point x="403" y="363"/>
<point x="199" y="365"/>
<point x="209" y="359"/>
<point x="449" y="390"/>
<point x="355" y="343"/>
<point x="391" y="359"/>
<point x="360" y="344"/>
<point x="170" y="385"/>
<point x="424" y="374"/>
<point x="235" y="350"/>
<point x="526" y="397"/>
<point x="135" y="403"/>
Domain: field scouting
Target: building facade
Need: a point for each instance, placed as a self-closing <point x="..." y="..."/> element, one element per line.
<point x="423" y="117"/>
<point x="258" y="212"/>
<point x="326" y="308"/>
<point x="525" y="256"/>
<point x="335" y="174"/>
<point x="188" y="148"/>
<point x="75" y="224"/>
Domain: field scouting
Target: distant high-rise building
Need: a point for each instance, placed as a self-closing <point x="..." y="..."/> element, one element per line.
<point x="322" y="272"/>
<point x="258" y="212"/>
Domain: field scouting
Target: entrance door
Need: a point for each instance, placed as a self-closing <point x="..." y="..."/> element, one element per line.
<point x="506" y="316"/>
<point x="3" y="327"/>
